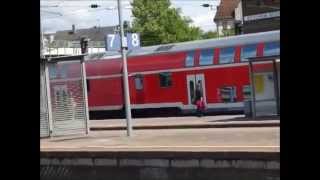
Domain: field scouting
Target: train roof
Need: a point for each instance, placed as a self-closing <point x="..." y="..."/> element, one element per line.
<point x="192" y="45"/>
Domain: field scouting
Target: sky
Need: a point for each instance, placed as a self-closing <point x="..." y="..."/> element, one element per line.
<point x="61" y="14"/>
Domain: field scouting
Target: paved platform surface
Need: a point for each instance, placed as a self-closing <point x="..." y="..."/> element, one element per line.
<point x="185" y="122"/>
<point x="262" y="139"/>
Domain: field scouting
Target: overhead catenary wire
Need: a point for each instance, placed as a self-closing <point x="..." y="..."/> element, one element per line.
<point x="85" y="8"/>
<point x="122" y="0"/>
<point x="185" y="2"/>
<point x="88" y="11"/>
<point x="108" y="7"/>
<point x="100" y="8"/>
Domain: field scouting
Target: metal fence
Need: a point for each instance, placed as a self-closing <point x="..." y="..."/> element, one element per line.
<point x="63" y="97"/>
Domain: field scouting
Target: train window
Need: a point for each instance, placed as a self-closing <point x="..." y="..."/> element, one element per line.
<point x="63" y="70"/>
<point x="88" y="85"/>
<point x="226" y="55"/>
<point x="138" y="79"/>
<point x="271" y="49"/>
<point x="228" y="94"/>
<point x="248" y="51"/>
<point x="190" y="59"/>
<point x="52" y="71"/>
<point x="165" y="79"/>
<point x="206" y="57"/>
<point x="246" y="92"/>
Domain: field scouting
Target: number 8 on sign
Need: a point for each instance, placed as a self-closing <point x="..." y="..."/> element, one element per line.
<point x="133" y="40"/>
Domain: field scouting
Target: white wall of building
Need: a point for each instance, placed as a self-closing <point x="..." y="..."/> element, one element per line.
<point x="238" y="12"/>
<point x="71" y="51"/>
<point x="224" y="25"/>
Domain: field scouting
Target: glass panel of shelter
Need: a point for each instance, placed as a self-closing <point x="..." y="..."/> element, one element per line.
<point x="264" y="89"/>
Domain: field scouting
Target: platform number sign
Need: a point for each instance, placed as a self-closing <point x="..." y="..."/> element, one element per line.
<point x="133" y="40"/>
<point x="113" y="41"/>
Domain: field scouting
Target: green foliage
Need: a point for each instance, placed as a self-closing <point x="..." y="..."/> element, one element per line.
<point x="209" y="35"/>
<point x="228" y="32"/>
<point x="158" y="23"/>
<point x="214" y="34"/>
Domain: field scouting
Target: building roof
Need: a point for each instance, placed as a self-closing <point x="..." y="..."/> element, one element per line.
<point x="94" y="34"/>
<point x="226" y="9"/>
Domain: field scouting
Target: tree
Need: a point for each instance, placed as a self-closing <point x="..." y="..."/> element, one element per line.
<point x="158" y="23"/>
<point x="209" y="35"/>
<point x="228" y="32"/>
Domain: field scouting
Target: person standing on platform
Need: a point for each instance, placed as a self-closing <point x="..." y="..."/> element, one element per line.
<point x="200" y="107"/>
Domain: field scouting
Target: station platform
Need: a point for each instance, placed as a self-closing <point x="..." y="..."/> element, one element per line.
<point x="222" y="121"/>
<point x="262" y="139"/>
<point x="198" y="153"/>
<point x="208" y="133"/>
<point x="250" y="151"/>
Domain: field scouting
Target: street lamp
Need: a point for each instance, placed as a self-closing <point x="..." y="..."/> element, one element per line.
<point x="208" y="5"/>
<point x="211" y="8"/>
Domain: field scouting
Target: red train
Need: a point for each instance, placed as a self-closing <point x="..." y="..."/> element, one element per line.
<point x="168" y="77"/>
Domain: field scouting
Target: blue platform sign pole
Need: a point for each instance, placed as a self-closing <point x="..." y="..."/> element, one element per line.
<point x="125" y="73"/>
<point x="116" y="42"/>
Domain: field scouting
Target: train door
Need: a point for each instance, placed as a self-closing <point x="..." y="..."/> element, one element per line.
<point x="196" y="88"/>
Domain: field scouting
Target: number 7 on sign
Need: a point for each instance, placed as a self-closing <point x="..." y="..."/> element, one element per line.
<point x="113" y="42"/>
<point x="112" y="36"/>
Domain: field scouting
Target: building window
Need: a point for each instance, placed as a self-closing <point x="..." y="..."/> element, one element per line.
<point x="165" y="79"/>
<point x="271" y="49"/>
<point x="246" y="92"/>
<point x="138" y="79"/>
<point x="248" y="51"/>
<point x="226" y="55"/>
<point x="206" y="57"/>
<point x="228" y="94"/>
<point x="190" y="59"/>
